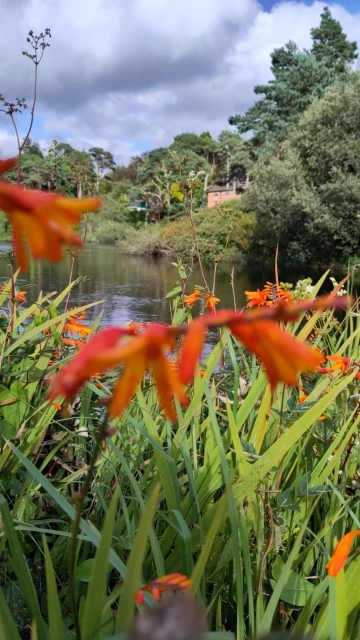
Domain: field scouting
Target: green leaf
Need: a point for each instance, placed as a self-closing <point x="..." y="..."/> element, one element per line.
<point x="56" y="627"/>
<point x="296" y="589"/>
<point x="90" y="531"/>
<point x="174" y="291"/>
<point x="125" y="612"/>
<point x="96" y="593"/>
<point x="84" y="569"/>
<point x="203" y="558"/>
<point x="13" y="412"/>
<point x="8" y="630"/>
<point x="303" y="484"/>
<point x="22" y="568"/>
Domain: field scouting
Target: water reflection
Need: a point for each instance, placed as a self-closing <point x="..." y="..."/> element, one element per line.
<point x="132" y="287"/>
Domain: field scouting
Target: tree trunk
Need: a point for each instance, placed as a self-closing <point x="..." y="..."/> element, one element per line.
<point x="204" y="196"/>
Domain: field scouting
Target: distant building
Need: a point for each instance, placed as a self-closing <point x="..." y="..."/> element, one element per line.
<point x="139" y="205"/>
<point x="217" y="194"/>
<point x="142" y="207"/>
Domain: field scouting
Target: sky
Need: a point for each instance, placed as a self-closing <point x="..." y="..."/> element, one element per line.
<point x="129" y="75"/>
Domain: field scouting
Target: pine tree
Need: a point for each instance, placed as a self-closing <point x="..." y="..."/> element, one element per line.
<point x="330" y="44"/>
<point x="299" y="77"/>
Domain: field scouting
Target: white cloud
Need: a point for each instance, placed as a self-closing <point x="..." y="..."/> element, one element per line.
<point x="118" y="73"/>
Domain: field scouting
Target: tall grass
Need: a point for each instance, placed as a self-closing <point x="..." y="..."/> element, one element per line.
<point x="244" y="494"/>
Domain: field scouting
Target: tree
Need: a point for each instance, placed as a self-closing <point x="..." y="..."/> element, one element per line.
<point x="129" y="172"/>
<point x="307" y="194"/>
<point x="32" y="147"/>
<point x="104" y="161"/>
<point x="299" y="77"/>
<point x="330" y="44"/>
<point x="233" y="157"/>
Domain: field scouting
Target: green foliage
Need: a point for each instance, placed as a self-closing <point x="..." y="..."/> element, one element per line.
<point x="224" y="231"/>
<point x="330" y="44"/>
<point x="250" y="496"/>
<point x="299" y="78"/>
<point x="306" y="193"/>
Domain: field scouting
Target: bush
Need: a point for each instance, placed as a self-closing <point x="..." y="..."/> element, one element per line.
<point x="145" y="241"/>
<point x="225" y="230"/>
<point x="107" y="225"/>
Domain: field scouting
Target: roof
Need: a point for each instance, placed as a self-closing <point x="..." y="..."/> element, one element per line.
<point x="224" y="187"/>
<point x="218" y="187"/>
<point x="138" y="204"/>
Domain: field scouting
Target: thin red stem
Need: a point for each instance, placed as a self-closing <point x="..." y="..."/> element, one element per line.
<point x="189" y="209"/>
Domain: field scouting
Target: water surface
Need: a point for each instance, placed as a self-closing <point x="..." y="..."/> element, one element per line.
<point x="132" y="287"/>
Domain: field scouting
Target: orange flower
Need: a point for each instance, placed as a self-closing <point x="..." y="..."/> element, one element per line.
<point x="357" y="376"/>
<point x="257" y="298"/>
<point x="73" y="325"/>
<point x="19" y="297"/>
<point x="107" y="350"/>
<point x="283" y="356"/>
<point x="41" y="221"/>
<point x="73" y="376"/>
<point x="341" y="363"/>
<point x="341" y="553"/>
<point x="136" y="326"/>
<point x="302" y="399"/>
<point x="73" y="343"/>
<point x="211" y="302"/>
<point x="192" y="298"/>
<point x="171" y="582"/>
<point x="325" y="371"/>
<point x="269" y="295"/>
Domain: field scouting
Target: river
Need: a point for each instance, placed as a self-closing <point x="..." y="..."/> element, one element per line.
<point x="132" y="287"/>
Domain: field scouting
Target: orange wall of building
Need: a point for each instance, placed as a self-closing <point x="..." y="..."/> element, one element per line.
<point x="217" y="197"/>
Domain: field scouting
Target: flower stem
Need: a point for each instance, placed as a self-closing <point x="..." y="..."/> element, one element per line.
<point x="190" y="214"/>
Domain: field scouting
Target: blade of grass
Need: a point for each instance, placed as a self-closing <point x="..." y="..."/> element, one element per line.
<point x="56" y="627"/>
<point x="8" y="629"/>
<point x="90" y="531"/>
<point x="22" y="568"/>
<point x="232" y="516"/>
<point x="96" y="593"/>
<point x="126" y="607"/>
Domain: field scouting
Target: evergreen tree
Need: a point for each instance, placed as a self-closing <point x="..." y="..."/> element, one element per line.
<point x="299" y="77"/>
<point x="330" y="44"/>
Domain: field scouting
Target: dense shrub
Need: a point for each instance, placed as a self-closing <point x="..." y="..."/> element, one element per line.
<point x="225" y="230"/>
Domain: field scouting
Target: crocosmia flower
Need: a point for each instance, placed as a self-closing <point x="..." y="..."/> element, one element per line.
<point x="171" y="582"/>
<point x="340" y="363"/>
<point x="284" y="357"/>
<point x="341" y="553"/>
<point x="211" y="302"/>
<point x="138" y="353"/>
<point x="41" y="221"/>
<point x="192" y="298"/>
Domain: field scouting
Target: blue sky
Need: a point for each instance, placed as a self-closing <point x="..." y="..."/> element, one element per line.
<point x="180" y="65"/>
<point x="351" y="5"/>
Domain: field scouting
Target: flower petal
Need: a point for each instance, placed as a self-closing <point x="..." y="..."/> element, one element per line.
<point x="341" y="553"/>
<point x="167" y="384"/>
<point x="7" y="165"/>
<point x="282" y="355"/>
<point x="127" y="385"/>
<point x="85" y="363"/>
<point x="191" y="351"/>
